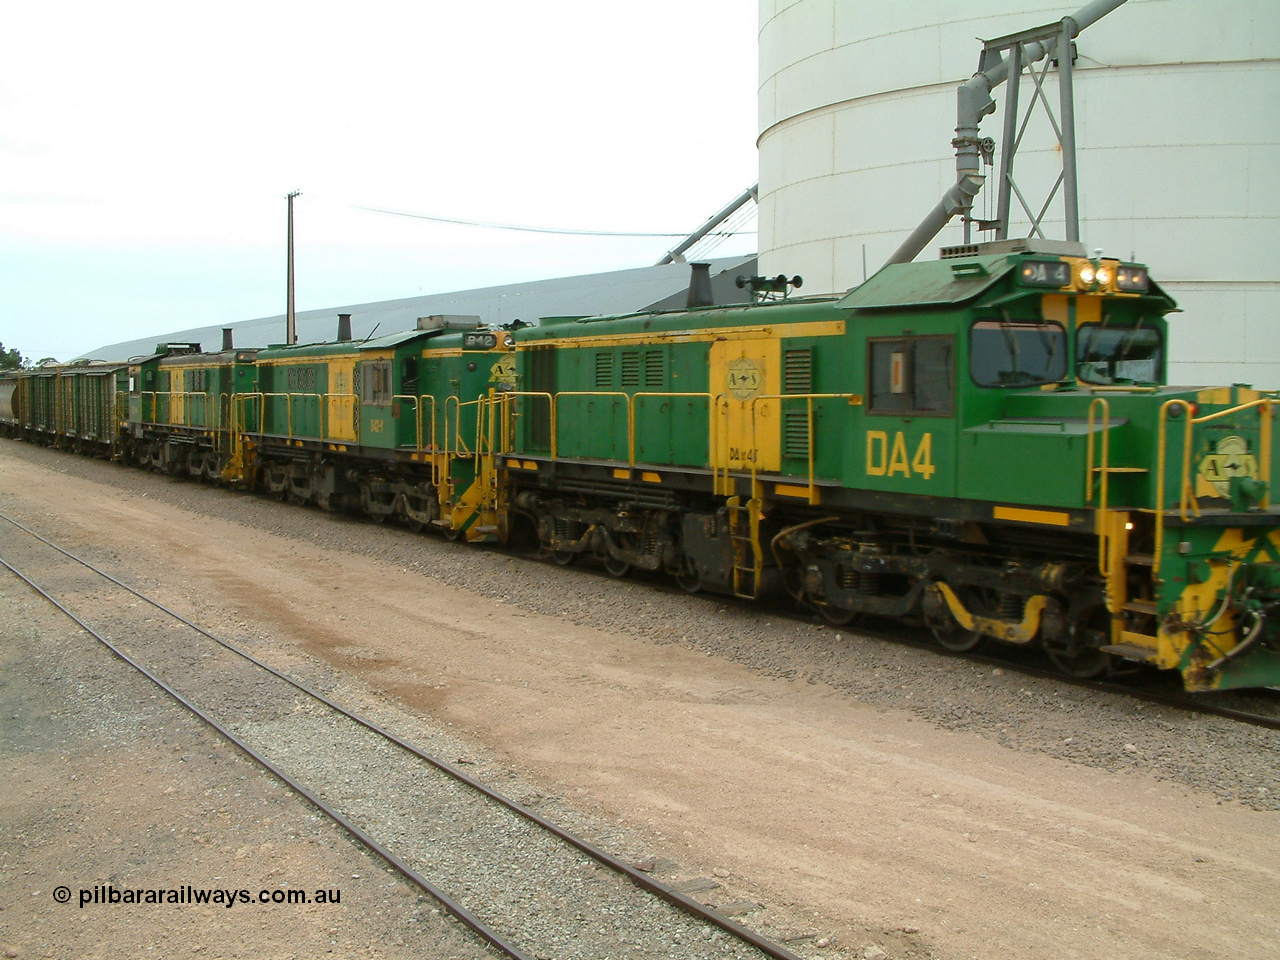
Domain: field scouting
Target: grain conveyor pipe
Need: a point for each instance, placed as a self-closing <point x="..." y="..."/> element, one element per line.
<point x="973" y="102"/>
<point x="676" y="253"/>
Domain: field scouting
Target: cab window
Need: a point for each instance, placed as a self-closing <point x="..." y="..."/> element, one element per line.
<point x="1106" y="355"/>
<point x="1017" y="353"/>
<point x="376" y="385"/>
<point x="911" y="375"/>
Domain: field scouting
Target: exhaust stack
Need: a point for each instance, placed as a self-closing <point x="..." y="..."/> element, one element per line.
<point x="226" y="339"/>
<point x="344" y="327"/>
<point x="700" y="294"/>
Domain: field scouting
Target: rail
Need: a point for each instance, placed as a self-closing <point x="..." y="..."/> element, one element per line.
<point x="631" y="417"/>
<point x="418" y="406"/>
<point x="511" y="400"/>
<point x="639" y="878"/>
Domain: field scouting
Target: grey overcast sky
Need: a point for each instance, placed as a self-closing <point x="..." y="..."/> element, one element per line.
<point x="146" y="149"/>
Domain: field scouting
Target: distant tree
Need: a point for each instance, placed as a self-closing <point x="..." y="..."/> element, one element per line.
<point x="11" y="359"/>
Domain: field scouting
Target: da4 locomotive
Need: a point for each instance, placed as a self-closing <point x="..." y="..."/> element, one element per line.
<point x="984" y="443"/>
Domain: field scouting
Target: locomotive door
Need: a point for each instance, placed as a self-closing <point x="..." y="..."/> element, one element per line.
<point x="745" y="427"/>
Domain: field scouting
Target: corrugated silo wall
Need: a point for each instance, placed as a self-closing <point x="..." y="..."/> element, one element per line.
<point x="1178" y="131"/>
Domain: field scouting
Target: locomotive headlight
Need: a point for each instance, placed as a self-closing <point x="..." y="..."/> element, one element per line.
<point x="1087" y="274"/>
<point x="1104" y="275"/>
<point x="1132" y="279"/>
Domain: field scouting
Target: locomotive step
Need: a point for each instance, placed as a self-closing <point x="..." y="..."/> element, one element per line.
<point x="1140" y="560"/>
<point x="1141" y="606"/>
<point x="1131" y="651"/>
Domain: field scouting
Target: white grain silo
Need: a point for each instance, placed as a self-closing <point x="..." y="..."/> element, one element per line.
<point x="1177" y="120"/>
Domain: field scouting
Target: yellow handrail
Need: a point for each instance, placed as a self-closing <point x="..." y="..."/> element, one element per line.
<point x="1185" y="496"/>
<point x="555" y="411"/>
<point x="327" y="403"/>
<point x="551" y="405"/>
<point x="854" y="400"/>
<point x="631" y="418"/>
<point x="1102" y="528"/>
<point x="453" y="445"/>
<point x="184" y="418"/>
<point x="417" y="419"/>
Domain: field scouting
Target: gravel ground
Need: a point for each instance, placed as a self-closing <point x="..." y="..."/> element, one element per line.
<point x="992" y="837"/>
<point x="1235" y="762"/>
<point x="110" y="784"/>
<point x="550" y="899"/>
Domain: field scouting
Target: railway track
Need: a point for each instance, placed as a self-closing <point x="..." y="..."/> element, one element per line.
<point x="521" y="884"/>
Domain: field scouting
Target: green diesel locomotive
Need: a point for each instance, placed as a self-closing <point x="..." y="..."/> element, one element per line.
<point x="983" y="443"/>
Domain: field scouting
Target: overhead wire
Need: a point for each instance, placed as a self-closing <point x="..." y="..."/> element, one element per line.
<point x="525" y="228"/>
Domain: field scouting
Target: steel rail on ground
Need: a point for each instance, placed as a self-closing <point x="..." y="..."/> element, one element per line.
<point x="676" y="899"/>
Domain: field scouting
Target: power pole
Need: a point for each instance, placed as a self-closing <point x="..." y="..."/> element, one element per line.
<point x="291" y="324"/>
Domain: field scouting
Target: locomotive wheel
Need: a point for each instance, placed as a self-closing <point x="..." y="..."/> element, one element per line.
<point x="452" y="534"/>
<point x="956" y="638"/>
<point x="564" y="557"/>
<point x="689" y="581"/>
<point x="415" y="525"/>
<point x="948" y="631"/>
<point x="616" y="568"/>
<point x="836" y="616"/>
<point x="1087" y="660"/>
<point x="1085" y="664"/>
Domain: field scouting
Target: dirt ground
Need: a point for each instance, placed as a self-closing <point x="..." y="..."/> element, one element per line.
<point x="886" y="832"/>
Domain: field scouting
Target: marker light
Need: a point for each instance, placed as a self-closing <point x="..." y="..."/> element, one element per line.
<point x="1132" y="279"/>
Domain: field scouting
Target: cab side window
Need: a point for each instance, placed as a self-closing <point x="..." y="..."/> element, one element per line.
<point x="911" y="376"/>
<point x="376" y="383"/>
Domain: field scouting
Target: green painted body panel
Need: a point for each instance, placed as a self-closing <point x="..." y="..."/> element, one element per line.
<point x="652" y="368"/>
<point x="913" y="452"/>
<point x="929" y="283"/>
<point x="426" y="394"/>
